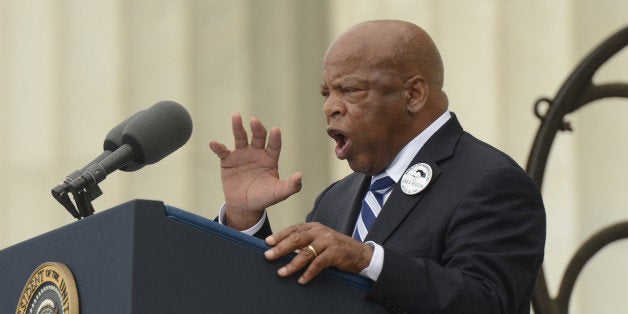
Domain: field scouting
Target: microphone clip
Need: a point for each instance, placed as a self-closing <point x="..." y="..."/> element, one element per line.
<point x="82" y="197"/>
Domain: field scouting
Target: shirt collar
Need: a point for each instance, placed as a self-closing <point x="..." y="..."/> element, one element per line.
<point x="401" y="162"/>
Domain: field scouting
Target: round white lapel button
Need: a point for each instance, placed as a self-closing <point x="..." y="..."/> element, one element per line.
<point x="416" y="178"/>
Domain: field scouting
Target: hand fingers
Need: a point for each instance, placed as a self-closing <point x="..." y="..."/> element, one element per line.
<point x="320" y="247"/>
<point x="306" y="255"/>
<point x="274" y="143"/>
<point x="348" y="255"/>
<point x="239" y="133"/>
<point x="301" y="237"/>
<point x="316" y="267"/>
<point x="292" y="231"/>
<point x="219" y="149"/>
<point x="258" y="132"/>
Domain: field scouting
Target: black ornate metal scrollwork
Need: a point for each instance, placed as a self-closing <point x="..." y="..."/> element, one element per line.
<point x="577" y="91"/>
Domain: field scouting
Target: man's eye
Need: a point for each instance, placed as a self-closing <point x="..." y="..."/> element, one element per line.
<point x="350" y="89"/>
<point x="325" y="93"/>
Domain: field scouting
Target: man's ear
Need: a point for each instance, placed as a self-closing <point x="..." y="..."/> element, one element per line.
<point x="417" y="92"/>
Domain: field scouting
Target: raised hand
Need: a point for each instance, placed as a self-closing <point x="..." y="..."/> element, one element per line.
<point x="250" y="174"/>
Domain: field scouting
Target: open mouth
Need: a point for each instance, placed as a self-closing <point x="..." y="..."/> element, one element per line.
<point x="341" y="142"/>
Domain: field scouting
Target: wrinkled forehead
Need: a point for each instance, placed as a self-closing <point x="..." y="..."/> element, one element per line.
<point x="354" y="71"/>
<point x="358" y="57"/>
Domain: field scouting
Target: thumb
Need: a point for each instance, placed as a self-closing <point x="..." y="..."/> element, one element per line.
<point x="294" y="182"/>
<point x="287" y="188"/>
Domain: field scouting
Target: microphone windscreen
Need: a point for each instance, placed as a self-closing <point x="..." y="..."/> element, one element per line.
<point x="157" y="131"/>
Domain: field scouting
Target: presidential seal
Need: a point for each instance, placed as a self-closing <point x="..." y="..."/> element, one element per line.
<point x="49" y="290"/>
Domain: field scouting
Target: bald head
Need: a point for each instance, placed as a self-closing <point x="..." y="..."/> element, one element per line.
<point x="395" y="45"/>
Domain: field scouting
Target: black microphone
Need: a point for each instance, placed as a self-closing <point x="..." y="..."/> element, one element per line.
<point x="113" y="141"/>
<point x="147" y="137"/>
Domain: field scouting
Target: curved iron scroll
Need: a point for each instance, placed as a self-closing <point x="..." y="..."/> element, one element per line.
<point x="577" y="91"/>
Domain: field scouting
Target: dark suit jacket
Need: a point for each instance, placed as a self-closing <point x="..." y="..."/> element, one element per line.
<point x="471" y="242"/>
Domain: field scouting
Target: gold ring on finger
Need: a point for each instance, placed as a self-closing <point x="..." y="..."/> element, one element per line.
<point x="313" y="250"/>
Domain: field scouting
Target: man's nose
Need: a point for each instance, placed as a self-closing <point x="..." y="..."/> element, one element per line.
<point x="333" y="107"/>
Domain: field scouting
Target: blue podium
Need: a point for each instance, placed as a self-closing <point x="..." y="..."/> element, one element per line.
<point x="146" y="257"/>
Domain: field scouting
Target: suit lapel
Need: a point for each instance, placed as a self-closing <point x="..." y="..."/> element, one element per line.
<point x="439" y="147"/>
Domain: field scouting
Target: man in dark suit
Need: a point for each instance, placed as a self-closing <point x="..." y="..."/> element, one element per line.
<point x="442" y="222"/>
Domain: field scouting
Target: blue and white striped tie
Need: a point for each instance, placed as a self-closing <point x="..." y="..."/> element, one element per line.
<point x="371" y="206"/>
